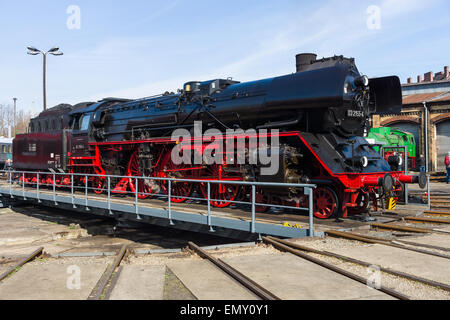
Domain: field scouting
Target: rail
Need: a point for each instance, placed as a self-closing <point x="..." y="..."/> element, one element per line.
<point x="19" y="178"/>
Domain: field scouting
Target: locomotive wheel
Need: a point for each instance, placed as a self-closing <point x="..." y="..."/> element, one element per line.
<point x="222" y="195"/>
<point x="144" y="188"/>
<point x="362" y="201"/>
<point x="179" y="190"/>
<point x="98" y="183"/>
<point x="325" y="203"/>
<point x="261" y="198"/>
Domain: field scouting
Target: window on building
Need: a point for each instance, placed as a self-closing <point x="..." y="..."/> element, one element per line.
<point x="9" y="149"/>
<point x="3" y="149"/>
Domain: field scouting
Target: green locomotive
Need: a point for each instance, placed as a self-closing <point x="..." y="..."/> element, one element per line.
<point x="387" y="140"/>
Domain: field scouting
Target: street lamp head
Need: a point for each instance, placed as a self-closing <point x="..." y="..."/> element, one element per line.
<point x="33" y="53"/>
<point x="54" y="49"/>
<point x="57" y="53"/>
<point x="33" y="49"/>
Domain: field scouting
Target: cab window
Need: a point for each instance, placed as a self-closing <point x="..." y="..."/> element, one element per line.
<point x="75" y="122"/>
<point x="85" y="121"/>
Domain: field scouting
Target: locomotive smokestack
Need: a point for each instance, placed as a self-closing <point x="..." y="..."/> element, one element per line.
<point x="304" y="60"/>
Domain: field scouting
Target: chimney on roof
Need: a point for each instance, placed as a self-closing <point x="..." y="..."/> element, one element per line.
<point x="419" y="79"/>
<point x="446" y="72"/>
<point x="429" y="77"/>
<point x="409" y="80"/>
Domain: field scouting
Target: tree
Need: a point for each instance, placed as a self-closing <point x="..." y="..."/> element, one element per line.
<point x="7" y="120"/>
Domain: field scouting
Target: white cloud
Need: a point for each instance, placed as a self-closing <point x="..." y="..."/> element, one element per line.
<point x="335" y="28"/>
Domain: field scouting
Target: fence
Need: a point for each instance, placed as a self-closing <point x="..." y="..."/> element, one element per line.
<point x="16" y="185"/>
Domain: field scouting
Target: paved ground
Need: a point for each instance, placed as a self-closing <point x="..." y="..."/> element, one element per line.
<point x="426" y="266"/>
<point x="294" y="280"/>
<point x="433" y="240"/>
<point x="52" y="281"/>
<point x="25" y="229"/>
<point x="140" y="283"/>
<point x="206" y="282"/>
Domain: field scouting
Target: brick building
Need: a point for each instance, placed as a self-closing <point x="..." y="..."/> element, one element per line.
<point x="434" y="90"/>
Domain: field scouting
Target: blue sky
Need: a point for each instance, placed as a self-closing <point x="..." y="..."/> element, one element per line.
<point x="139" y="48"/>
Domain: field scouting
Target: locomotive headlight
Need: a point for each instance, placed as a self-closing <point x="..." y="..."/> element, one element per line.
<point x="364" y="161"/>
<point x="362" y="81"/>
<point x="395" y="160"/>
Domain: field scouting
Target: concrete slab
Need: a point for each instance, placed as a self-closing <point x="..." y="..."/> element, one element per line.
<point x="50" y="282"/>
<point x="292" y="278"/>
<point x="433" y="240"/>
<point x="140" y="283"/>
<point x="422" y="265"/>
<point x="18" y="251"/>
<point x="207" y="282"/>
<point x="16" y="228"/>
<point x="20" y="236"/>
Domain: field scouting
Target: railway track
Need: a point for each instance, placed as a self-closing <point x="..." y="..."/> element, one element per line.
<point x="279" y="245"/>
<point x="21" y="263"/>
<point x="359" y="262"/>
<point x="108" y="280"/>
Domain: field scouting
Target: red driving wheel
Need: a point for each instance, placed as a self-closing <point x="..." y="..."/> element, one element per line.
<point x="325" y="202"/>
<point x="222" y="195"/>
<point x="180" y="191"/>
<point x="145" y="189"/>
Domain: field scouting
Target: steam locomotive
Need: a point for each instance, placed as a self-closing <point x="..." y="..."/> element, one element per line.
<point x="318" y="117"/>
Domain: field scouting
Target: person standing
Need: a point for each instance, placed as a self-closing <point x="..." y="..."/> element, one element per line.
<point x="447" y="165"/>
<point x="422" y="163"/>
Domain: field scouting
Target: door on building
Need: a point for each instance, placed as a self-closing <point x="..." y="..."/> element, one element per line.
<point x="412" y="128"/>
<point x="442" y="143"/>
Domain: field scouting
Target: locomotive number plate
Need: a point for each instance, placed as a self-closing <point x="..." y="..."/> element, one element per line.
<point x="355" y="114"/>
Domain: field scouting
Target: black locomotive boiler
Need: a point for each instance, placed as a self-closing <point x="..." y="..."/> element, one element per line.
<point x="320" y="114"/>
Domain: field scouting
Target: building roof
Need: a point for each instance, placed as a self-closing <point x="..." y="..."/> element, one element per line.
<point x="442" y="81"/>
<point x="426" y="97"/>
<point x="6" y="140"/>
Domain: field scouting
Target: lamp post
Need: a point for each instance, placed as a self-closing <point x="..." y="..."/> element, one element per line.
<point x="426" y="137"/>
<point x="14" y="117"/>
<point x="53" y="51"/>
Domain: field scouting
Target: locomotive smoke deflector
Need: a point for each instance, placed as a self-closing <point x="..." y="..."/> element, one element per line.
<point x="386" y="95"/>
